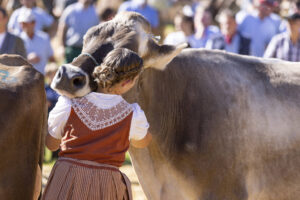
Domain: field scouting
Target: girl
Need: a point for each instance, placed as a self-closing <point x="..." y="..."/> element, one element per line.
<point x="94" y="133"/>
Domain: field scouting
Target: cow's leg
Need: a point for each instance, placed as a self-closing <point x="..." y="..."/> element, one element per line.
<point x="157" y="177"/>
<point x="144" y="169"/>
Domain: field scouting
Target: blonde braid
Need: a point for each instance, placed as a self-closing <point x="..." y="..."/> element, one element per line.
<point x="120" y="64"/>
<point x="105" y="76"/>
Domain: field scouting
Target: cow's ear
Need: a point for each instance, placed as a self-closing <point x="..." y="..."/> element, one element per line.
<point x="160" y="55"/>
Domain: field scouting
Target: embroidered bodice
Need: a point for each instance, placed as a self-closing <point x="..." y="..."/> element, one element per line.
<point x="101" y="115"/>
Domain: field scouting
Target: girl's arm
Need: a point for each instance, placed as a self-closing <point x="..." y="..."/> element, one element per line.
<point x="143" y="142"/>
<point x="52" y="143"/>
<point x="57" y="120"/>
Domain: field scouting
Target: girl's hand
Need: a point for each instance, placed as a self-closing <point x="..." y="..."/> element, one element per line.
<point x="33" y="58"/>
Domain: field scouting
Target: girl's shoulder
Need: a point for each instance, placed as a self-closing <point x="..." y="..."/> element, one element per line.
<point x="62" y="100"/>
<point x="101" y="100"/>
<point x="138" y="113"/>
<point x="136" y="108"/>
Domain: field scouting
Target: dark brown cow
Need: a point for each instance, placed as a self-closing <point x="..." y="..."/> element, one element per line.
<point x="225" y="127"/>
<point x="22" y="127"/>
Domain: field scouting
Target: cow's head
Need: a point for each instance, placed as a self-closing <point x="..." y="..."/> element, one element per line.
<point x="127" y="30"/>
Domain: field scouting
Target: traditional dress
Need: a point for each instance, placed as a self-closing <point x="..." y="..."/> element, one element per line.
<point x="95" y="131"/>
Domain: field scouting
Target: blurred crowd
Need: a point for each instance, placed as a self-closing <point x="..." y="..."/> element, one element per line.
<point x="262" y="28"/>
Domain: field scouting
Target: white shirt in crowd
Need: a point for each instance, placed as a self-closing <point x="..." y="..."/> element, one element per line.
<point x="175" y="38"/>
<point x="42" y="19"/>
<point x="39" y="44"/>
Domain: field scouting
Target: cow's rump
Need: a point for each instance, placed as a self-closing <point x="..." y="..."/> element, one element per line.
<point x="22" y="125"/>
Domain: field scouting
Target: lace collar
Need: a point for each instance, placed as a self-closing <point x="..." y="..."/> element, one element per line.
<point x="98" y="111"/>
<point x="104" y="101"/>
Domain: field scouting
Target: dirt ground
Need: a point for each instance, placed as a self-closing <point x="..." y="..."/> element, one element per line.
<point x="137" y="191"/>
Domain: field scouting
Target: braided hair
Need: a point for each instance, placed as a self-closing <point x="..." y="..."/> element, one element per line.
<point x="118" y="65"/>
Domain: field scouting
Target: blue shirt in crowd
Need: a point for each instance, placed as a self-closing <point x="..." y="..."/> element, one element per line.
<point x="147" y="11"/>
<point x="78" y="20"/>
<point x="52" y="97"/>
<point x="209" y="32"/>
<point x="260" y="31"/>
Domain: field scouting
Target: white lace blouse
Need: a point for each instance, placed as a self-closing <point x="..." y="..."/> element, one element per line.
<point x="97" y="111"/>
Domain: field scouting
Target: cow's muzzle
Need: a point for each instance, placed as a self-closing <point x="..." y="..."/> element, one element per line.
<point x="69" y="80"/>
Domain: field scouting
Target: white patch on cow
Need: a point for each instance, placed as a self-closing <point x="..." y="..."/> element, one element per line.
<point x="143" y="41"/>
<point x="109" y="40"/>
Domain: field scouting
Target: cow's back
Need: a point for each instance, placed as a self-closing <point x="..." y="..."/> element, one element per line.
<point x="224" y="126"/>
<point x="22" y="126"/>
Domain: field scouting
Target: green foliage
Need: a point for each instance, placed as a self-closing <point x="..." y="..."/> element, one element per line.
<point x="127" y="159"/>
<point x="47" y="155"/>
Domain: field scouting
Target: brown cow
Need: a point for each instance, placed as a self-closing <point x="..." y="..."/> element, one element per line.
<point x="225" y="127"/>
<point x="23" y="123"/>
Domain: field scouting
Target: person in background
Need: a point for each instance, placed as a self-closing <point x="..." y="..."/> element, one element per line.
<point x="37" y="43"/>
<point x="260" y="27"/>
<point x="9" y="43"/>
<point x="75" y="20"/>
<point x="275" y="17"/>
<point x="52" y="96"/>
<point x="246" y="8"/>
<point x="142" y="7"/>
<point x="107" y="14"/>
<point x="297" y="6"/>
<point x="60" y="5"/>
<point x="184" y="28"/>
<point x="43" y="19"/>
<point x="11" y="5"/>
<point x="230" y="39"/>
<point x="204" y="29"/>
<point x="49" y="5"/>
<point x="286" y="46"/>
